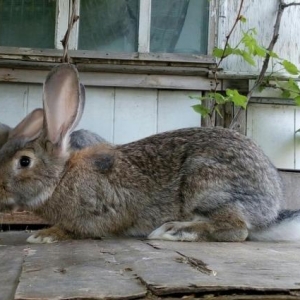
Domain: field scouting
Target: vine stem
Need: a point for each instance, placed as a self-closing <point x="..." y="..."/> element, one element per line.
<point x="223" y="56"/>
<point x="65" y="40"/>
<point x="236" y="121"/>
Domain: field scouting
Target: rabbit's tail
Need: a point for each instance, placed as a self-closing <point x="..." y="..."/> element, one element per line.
<point x="285" y="228"/>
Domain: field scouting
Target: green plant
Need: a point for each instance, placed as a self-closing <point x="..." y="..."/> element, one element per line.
<point x="250" y="50"/>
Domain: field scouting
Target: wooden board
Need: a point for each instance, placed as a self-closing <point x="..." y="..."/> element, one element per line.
<point x="22" y="218"/>
<point x="10" y="269"/>
<point x="291" y="187"/>
<point x="248" y="267"/>
<point x="130" y="268"/>
<point x="79" y="270"/>
<point x="273" y="129"/>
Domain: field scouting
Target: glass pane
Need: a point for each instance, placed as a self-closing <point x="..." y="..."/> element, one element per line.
<point x="109" y="25"/>
<point x="179" y="26"/>
<point x="27" y="23"/>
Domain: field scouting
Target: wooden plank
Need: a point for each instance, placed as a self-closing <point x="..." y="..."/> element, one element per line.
<point x="213" y="25"/>
<point x="14" y="101"/>
<point x="13" y="238"/>
<point x="135" y="114"/>
<point x="35" y="97"/>
<point x="232" y="267"/>
<point x="144" y="26"/>
<point x="175" y="111"/>
<point x="29" y="54"/>
<point x="61" y="24"/>
<point x="273" y="128"/>
<point x="297" y="137"/>
<point x="98" y="113"/>
<point x="101" y="79"/>
<point x="21" y="218"/>
<point x="291" y="185"/>
<point x="129" y="269"/>
<point x="167" y="69"/>
<point x="11" y="259"/>
<point x="76" y="270"/>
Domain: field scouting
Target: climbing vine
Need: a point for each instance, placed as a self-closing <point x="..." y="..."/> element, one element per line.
<point x="251" y="50"/>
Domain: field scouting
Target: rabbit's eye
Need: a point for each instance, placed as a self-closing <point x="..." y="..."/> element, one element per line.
<point x="24" y="161"/>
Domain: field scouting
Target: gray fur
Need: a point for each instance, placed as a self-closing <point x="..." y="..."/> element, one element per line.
<point x="82" y="138"/>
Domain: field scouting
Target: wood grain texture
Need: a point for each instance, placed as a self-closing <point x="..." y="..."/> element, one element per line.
<point x="10" y="269"/>
<point x="53" y="55"/>
<point x="76" y="270"/>
<point x="21" y="218"/>
<point x="131" y="268"/>
<point x="121" y="79"/>
<point x="272" y="127"/>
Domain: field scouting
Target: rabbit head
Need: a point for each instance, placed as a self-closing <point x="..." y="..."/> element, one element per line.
<point x="33" y="159"/>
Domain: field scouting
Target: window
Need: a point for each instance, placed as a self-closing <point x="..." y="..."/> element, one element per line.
<point x="27" y="23"/>
<point x="115" y="26"/>
<point x="109" y="25"/>
<point x="179" y="26"/>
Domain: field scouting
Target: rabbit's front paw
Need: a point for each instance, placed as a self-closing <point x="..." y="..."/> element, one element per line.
<point x="173" y="231"/>
<point x="48" y="236"/>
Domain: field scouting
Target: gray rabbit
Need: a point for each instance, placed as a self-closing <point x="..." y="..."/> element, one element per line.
<point x="195" y="184"/>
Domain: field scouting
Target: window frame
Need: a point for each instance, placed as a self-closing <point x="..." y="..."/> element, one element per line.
<point x="141" y="62"/>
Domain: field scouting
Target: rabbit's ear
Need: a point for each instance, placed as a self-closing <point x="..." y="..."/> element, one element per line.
<point x="81" y="107"/>
<point x="4" y="132"/>
<point x="30" y="127"/>
<point x="62" y="106"/>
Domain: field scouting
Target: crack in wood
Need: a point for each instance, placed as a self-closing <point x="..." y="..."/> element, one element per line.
<point x="195" y="263"/>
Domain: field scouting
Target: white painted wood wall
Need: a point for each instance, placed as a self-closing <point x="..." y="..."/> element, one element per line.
<point x="260" y="15"/>
<point x="119" y="115"/>
<point x="274" y="128"/>
<point x="271" y="126"/>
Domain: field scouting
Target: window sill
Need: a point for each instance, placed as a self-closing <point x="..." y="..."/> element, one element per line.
<point x="136" y="70"/>
<point x="95" y="57"/>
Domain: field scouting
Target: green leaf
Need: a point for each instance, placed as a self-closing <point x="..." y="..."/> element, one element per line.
<point x="273" y="54"/>
<point x="237" y="98"/>
<point x="290" y="67"/>
<point x="200" y="109"/>
<point x="220" y="99"/>
<point x="243" y="19"/>
<point x="248" y="58"/>
<point x="218" y="52"/>
<point x="259" y="51"/>
<point x="285" y="94"/>
<point x="292" y="85"/>
<point x="297" y="100"/>
<point x="250" y="42"/>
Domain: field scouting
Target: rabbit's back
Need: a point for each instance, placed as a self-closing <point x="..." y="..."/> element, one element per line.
<point x="82" y="138"/>
<point x="209" y="168"/>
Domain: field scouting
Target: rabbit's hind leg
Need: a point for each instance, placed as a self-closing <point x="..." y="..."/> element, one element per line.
<point x="224" y="225"/>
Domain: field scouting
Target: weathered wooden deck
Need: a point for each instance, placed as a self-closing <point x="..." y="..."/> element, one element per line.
<point x="135" y="269"/>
